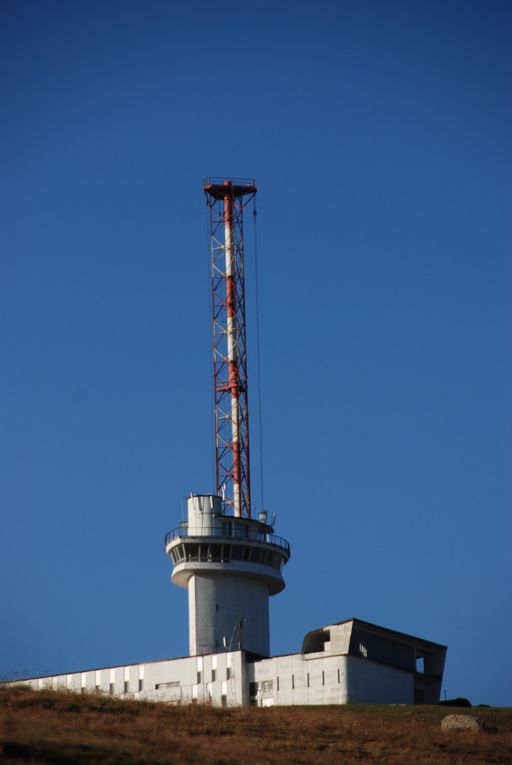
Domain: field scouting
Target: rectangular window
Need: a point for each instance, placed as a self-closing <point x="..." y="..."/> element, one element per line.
<point x="126" y="686"/>
<point x="307" y="679"/>
<point x="228" y="673"/>
<point x="277" y="683"/>
<point x="111" y="689"/>
<point x="293" y="682"/>
<point x="214" y="674"/>
<point x="323" y="677"/>
<point x="198" y="677"/>
<point x="339" y="678"/>
<point x="224" y="700"/>
<point x="141" y="684"/>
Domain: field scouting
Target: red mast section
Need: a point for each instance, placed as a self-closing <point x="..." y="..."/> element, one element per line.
<point x="226" y="199"/>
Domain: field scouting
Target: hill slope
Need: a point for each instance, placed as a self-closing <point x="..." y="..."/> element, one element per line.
<point x="60" y="727"/>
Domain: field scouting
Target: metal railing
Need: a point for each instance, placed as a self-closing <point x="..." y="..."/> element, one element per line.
<point x="243" y="535"/>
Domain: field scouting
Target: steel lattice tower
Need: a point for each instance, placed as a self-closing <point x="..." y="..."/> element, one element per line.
<point x="229" y="562"/>
<point x="226" y="201"/>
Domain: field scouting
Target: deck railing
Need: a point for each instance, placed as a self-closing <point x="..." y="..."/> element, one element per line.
<point x="244" y="534"/>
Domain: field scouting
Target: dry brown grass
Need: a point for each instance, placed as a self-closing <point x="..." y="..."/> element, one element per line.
<point x="60" y="727"/>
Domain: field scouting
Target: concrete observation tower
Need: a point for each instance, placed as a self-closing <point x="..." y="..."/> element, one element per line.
<point x="229" y="561"/>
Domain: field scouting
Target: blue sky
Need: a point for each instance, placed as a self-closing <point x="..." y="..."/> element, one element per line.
<point x="379" y="134"/>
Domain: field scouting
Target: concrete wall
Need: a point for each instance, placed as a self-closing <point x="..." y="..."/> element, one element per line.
<point x="371" y="683"/>
<point x="218" y="679"/>
<point x="298" y="679"/>
<point x="327" y="679"/>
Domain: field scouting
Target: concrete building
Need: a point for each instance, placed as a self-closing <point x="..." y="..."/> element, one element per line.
<point x="348" y="662"/>
<point x="231" y="566"/>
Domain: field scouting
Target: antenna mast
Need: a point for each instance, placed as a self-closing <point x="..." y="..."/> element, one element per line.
<point x="226" y="199"/>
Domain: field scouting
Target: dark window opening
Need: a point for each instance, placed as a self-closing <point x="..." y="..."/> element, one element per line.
<point x="111" y="689"/>
<point x="141" y="685"/>
<point x="126" y="686"/>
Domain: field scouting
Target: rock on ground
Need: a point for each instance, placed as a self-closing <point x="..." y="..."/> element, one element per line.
<point x="460" y="722"/>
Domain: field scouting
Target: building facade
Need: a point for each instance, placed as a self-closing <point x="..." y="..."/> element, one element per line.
<point x="230" y="567"/>
<point x="349" y="662"/>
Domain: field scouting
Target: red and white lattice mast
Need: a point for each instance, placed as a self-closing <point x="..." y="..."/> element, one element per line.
<point x="230" y="562"/>
<point x="226" y="201"/>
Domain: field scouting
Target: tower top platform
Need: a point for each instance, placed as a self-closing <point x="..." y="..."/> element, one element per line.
<point x="219" y="187"/>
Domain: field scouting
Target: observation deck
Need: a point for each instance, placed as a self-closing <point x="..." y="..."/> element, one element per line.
<point x="212" y="542"/>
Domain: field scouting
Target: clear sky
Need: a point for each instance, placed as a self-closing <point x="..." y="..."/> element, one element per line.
<point x="380" y="134"/>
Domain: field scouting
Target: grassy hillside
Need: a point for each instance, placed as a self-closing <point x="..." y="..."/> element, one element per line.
<point x="61" y="727"/>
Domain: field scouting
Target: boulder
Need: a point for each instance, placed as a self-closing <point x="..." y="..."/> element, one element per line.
<point x="460" y="722"/>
